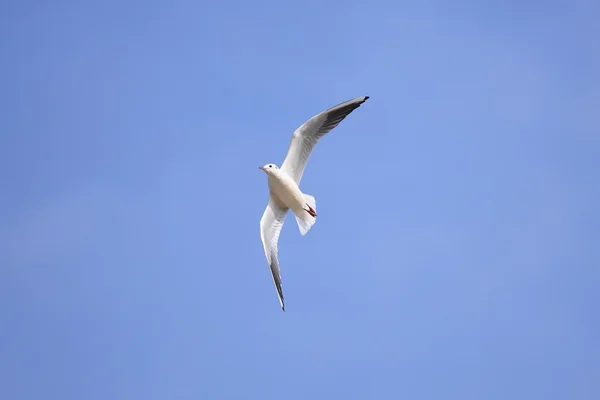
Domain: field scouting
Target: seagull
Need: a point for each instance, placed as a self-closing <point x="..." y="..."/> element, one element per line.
<point x="284" y="191"/>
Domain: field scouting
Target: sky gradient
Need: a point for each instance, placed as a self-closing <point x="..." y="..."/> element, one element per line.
<point x="457" y="250"/>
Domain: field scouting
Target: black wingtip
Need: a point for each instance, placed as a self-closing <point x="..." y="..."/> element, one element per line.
<point x="366" y="98"/>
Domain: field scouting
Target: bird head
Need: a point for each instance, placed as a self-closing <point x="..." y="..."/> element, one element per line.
<point x="269" y="168"/>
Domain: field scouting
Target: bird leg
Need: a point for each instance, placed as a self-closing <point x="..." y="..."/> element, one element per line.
<point x="311" y="211"/>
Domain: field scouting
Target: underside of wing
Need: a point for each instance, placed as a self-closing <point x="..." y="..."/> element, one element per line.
<point x="306" y="136"/>
<point x="270" y="228"/>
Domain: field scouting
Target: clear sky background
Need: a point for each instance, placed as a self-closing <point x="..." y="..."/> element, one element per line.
<point x="457" y="249"/>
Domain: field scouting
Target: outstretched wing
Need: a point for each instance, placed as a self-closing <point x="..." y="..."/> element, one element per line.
<point x="306" y="136"/>
<point x="270" y="228"/>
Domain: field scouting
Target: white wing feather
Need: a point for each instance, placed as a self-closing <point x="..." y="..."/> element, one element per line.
<point x="270" y="228"/>
<point x="306" y="136"/>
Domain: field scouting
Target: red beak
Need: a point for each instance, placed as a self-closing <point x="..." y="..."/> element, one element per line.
<point x="263" y="168"/>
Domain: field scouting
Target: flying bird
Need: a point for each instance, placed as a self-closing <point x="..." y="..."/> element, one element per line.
<point x="284" y="191"/>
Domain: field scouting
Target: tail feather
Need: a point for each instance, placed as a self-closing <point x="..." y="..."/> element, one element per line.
<point x="306" y="220"/>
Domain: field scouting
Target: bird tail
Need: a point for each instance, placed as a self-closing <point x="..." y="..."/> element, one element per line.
<point x="308" y="216"/>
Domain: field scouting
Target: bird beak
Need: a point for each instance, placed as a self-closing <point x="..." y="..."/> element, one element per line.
<point x="263" y="168"/>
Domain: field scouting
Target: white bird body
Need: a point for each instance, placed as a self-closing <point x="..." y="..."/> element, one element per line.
<point x="286" y="194"/>
<point x="284" y="190"/>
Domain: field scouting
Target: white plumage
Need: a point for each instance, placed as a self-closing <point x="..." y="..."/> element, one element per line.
<point x="284" y="182"/>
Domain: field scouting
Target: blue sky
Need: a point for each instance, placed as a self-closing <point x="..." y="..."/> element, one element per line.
<point x="456" y="252"/>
